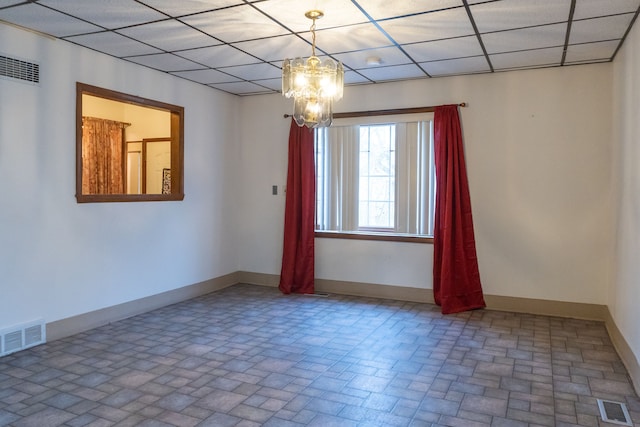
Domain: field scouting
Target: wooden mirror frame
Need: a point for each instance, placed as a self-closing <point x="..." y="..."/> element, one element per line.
<point x="177" y="146"/>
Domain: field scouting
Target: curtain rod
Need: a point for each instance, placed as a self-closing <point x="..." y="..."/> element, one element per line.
<point x="412" y="110"/>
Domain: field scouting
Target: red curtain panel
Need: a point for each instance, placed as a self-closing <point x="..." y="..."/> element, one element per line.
<point x="456" y="279"/>
<point x="297" y="271"/>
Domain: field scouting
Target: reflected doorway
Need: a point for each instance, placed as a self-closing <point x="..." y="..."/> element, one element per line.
<point x="149" y="166"/>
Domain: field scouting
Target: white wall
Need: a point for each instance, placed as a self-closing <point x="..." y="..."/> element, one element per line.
<point x="59" y="258"/>
<point x="624" y="294"/>
<point x="538" y="146"/>
<point x="539" y="154"/>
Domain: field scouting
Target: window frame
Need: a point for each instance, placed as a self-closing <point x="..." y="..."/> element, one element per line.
<point x="177" y="146"/>
<point x="366" y="234"/>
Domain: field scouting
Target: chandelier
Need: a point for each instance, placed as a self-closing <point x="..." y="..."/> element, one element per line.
<point x="312" y="83"/>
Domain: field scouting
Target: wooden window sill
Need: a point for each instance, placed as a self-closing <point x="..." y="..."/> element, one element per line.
<point x="387" y="237"/>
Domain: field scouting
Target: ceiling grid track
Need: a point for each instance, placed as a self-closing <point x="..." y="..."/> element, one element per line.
<point x="479" y="37"/>
<point x="568" y="35"/>
<point x="237" y="46"/>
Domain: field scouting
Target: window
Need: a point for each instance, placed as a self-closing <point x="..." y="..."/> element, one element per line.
<point x="376" y="178"/>
<point x="127" y="148"/>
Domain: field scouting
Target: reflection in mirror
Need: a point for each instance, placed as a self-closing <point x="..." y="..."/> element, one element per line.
<point x="128" y="148"/>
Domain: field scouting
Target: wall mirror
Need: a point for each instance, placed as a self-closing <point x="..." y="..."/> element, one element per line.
<point x="127" y="148"/>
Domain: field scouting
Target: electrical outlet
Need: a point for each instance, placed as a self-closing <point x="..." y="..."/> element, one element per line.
<point x="274" y="190"/>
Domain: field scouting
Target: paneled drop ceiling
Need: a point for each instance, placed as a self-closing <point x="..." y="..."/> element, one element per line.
<point x="237" y="46"/>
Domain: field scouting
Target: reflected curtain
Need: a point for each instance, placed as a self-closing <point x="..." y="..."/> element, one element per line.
<point x="297" y="271"/>
<point x="102" y="156"/>
<point x="456" y="278"/>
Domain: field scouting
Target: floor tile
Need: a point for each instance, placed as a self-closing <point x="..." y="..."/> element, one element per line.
<point x="249" y="356"/>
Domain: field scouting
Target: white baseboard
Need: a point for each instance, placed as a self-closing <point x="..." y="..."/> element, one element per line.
<point x="83" y="322"/>
<point x="494" y="302"/>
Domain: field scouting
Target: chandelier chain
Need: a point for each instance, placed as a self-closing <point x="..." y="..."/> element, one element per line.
<point x="313" y="37"/>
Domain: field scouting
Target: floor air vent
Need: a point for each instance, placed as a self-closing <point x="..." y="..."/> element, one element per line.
<point x="22" y="337"/>
<point x="19" y="69"/>
<point x="614" y="412"/>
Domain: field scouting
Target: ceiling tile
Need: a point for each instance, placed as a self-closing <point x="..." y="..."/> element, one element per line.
<point x="591" y="51"/>
<point x="254" y="71"/>
<point x="218" y="56"/>
<point x="352" y="77"/>
<point x="169" y="35"/>
<point x="276" y="48"/>
<point x="594" y="8"/>
<point x="206" y="76"/>
<point x="7" y="3"/>
<point x="164" y="62"/>
<point x="600" y="29"/>
<point x="430" y="26"/>
<point x="231" y="24"/>
<point x="290" y="13"/>
<point x="388" y="56"/>
<point x="109" y="14"/>
<point x="476" y="64"/>
<point x="509" y="14"/>
<point x="273" y="84"/>
<point x="526" y="58"/>
<point x="188" y="7"/>
<point x="47" y="21"/>
<point x="526" y="38"/>
<point x="587" y="62"/>
<point x="444" y="49"/>
<point x="394" y="72"/>
<point x="347" y="39"/>
<point x="241" y="88"/>
<point x="380" y="9"/>
<point x="113" y="44"/>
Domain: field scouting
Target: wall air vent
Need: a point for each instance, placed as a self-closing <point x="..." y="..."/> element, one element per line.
<point x="614" y="412"/>
<point x="12" y="341"/>
<point x="21" y="337"/>
<point x="18" y="69"/>
<point x="33" y="335"/>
